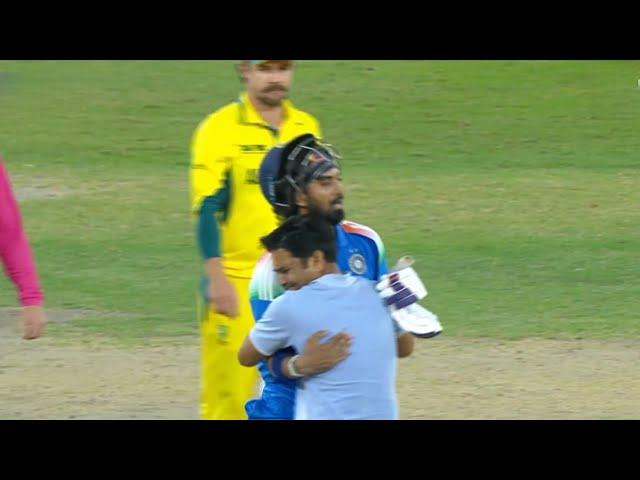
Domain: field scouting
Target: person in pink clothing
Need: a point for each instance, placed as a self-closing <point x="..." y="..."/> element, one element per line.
<point x="18" y="262"/>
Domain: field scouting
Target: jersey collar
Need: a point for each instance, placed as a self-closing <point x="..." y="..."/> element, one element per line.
<point x="249" y="114"/>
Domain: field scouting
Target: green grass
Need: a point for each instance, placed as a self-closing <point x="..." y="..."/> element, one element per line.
<point x="514" y="183"/>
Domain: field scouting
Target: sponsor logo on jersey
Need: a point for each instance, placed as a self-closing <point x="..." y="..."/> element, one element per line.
<point x="253" y="148"/>
<point x="251" y="177"/>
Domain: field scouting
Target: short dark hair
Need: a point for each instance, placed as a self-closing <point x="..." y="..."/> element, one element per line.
<point x="302" y="235"/>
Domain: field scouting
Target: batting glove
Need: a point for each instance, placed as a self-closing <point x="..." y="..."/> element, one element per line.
<point x="401" y="290"/>
<point x="418" y="321"/>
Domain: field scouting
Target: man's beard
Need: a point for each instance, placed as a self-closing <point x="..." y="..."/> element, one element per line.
<point x="334" y="217"/>
<point x="270" y="101"/>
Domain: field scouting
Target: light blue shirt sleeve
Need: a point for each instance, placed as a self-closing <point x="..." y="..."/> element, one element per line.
<point x="271" y="333"/>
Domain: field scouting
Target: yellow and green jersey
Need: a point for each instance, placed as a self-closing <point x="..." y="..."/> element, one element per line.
<point x="226" y="152"/>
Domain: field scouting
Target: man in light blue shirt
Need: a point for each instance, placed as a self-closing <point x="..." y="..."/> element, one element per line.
<point x="320" y="298"/>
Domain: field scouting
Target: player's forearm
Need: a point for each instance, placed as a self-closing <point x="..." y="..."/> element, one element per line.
<point x="277" y="362"/>
<point x="248" y="355"/>
<point x="15" y="252"/>
<point x="300" y="366"/>
<point x="208" y="232"/>
<point x="406" y="342"/>
<point x="213" y="267"/>
<point x="285" y="367"/>
<point x="209" y="241"/>
<point x="20" y="268"/>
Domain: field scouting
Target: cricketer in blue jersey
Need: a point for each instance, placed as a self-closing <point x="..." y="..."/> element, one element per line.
<point x="361" y="385"/>
<point x="360" y="251"/>
<point x="303" y="177"/>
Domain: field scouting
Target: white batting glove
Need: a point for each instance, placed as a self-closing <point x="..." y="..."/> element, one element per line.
<point x="401" y="290"/>
<point x="402" y="286"/>
<point x="418" y="321"/>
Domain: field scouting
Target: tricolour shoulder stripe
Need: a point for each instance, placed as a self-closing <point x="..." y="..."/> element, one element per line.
<point x="264" y="284"/>
<point x="353" y="227"/>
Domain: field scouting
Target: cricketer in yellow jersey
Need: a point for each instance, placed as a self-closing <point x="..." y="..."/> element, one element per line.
<point x="232" y="215"/>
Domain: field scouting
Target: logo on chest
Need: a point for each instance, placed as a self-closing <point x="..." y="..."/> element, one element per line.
<point x="251" y="176"/>
<point x="357" y="264"/>
<point x="253" y="148"/>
